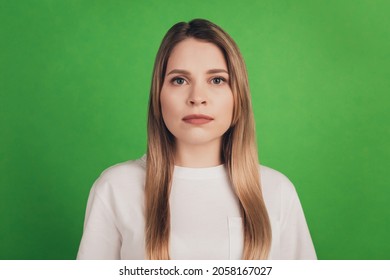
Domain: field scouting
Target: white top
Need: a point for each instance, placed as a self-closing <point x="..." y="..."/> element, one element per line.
<point x="205" y="215"/>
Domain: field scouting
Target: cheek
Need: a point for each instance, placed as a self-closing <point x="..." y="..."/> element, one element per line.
<point x="168" y="107"/>
<point x="164" y="106"/>
<point x="227" y="107"/>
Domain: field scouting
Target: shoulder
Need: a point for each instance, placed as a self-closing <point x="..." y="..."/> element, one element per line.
<point x="290" y="235"/>
<point x="278" y="191"/>
<point x="273" y="179"/>
<point x="124" y="169"/>
<point x="124" y="175"/>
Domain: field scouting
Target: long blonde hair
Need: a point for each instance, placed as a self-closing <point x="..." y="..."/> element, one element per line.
<point x="239" y="151"/>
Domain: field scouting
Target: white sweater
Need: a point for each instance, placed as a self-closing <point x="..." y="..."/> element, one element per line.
<point x="205" y="215"/>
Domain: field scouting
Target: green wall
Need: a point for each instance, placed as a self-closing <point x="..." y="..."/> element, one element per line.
<point x="74" y="83"/>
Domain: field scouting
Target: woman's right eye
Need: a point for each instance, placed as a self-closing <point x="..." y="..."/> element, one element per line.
<point x="178" y="81"/>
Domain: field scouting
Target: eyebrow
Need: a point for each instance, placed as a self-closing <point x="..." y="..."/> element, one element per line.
<point x="185" y="72"/>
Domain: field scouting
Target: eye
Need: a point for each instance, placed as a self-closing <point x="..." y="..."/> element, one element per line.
<point x="218" y="80"/>
<point x="178" y="81"/>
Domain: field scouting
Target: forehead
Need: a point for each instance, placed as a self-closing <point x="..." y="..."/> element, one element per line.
<point x="193" y="54"/>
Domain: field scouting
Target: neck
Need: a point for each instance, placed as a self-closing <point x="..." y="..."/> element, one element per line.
<point x="201" y="155"/>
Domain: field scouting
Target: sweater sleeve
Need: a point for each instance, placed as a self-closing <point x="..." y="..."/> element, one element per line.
<point x="101" y="239"/>
<point x="296" y="242"/>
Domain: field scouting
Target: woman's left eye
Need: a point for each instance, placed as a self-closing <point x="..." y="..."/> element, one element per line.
<point x="218" y="80"/>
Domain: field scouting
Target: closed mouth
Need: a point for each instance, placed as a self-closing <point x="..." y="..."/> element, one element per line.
<point x="197" y="116"/>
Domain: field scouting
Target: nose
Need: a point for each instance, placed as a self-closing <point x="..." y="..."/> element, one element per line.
<point x="197" y="101"/>
<point x="197" y="95"/>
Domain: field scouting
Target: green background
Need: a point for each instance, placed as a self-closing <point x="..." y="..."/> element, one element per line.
<point x="74" y="84"/>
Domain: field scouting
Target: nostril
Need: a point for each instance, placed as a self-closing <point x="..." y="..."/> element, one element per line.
<point x="197" y="101"/>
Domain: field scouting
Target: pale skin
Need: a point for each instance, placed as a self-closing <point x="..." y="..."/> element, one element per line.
<point x="197" y="102"/>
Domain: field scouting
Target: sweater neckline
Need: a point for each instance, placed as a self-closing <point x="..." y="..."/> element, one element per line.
<point x="192" y="173"/>
<point x="201" y="173"/>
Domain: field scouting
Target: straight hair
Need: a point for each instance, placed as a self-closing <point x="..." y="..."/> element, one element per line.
<point x="239" y="149"/>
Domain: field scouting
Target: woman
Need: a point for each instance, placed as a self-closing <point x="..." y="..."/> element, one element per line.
<point x="199" y="192"/>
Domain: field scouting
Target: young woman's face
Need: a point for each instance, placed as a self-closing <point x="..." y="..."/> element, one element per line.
<point x="196" y="99"/>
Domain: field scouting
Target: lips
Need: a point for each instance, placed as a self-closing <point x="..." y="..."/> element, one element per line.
<point x="197" y="119"/>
